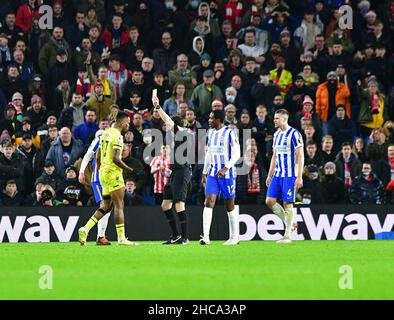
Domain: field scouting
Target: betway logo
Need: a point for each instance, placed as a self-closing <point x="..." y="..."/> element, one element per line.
<point x="38" y="228"/>
<point x="352" y="226"/>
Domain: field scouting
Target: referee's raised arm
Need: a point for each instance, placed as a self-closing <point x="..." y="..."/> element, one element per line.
<point x="163" y="115"/>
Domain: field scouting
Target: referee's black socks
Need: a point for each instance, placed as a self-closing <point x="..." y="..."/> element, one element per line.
<point x="183" y="223"/>
<point x="172" y="222"/>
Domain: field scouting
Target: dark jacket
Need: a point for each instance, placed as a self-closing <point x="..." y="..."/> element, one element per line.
<point x="35" y="163"/>
<point x="355" y="166"/>
<point x="265" y="95"/>
<point x="37" y="118"/>
<point x="133" y="199"/>
<point x="59" y="72"/>
<point x="165" y="59"/>
<point x="10" y="87"/>
<point x="333" y="189"/>
<point x="295" y="96"/>
<point x="341" y="130"/>
<point x="66" y="118"/>
<point x="53" y="180"/>
<point x="15" y="169"/>
<point x="12" y="126"/>
<point x="364" y="191"/>
<point x="138" y="174"/>
<point x="7" y="201"/>
<point x="73" y="192"/>
<point x="55" y="154"/>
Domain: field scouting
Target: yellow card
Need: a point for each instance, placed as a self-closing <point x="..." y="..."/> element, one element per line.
<point x="154" y="93"/>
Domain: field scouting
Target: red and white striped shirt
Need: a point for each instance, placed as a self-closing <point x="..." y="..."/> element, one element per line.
<point x="162" y="176"/>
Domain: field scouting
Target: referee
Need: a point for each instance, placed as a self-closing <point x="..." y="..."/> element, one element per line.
<point x="175" y="191"/>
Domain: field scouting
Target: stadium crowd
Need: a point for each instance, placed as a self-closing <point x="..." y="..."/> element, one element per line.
<point x="246" y="57"/>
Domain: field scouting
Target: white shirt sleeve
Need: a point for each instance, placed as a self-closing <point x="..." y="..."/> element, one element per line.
<point x="235" y="150"/>
<point x="89" y="155"/>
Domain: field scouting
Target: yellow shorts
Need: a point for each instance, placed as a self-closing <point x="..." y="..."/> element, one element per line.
<point x="111" y="180"/>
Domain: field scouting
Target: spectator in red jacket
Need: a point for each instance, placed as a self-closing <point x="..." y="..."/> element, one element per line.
<point x="26" y="14"/>
<point x="234" y="13"/>
<point x="116" y="34"/>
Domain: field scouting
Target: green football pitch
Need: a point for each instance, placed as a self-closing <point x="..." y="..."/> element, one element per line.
<point x="252" y="270"/>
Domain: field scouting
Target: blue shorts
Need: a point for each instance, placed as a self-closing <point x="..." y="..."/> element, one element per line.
<point x="225" y="186"/>
<point x="97" y="191"/>
<point x="282" y="189"/>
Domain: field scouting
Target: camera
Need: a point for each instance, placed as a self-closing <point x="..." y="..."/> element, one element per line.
<point x="45" y="196"/>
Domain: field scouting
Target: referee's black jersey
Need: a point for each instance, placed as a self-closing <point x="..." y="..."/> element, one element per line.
<point x="182" y="149"/>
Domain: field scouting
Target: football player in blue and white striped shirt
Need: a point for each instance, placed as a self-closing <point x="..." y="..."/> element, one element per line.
<point x="223" y="152"/>
<point x="285" y="172"/>
<point x="105" y="204"/>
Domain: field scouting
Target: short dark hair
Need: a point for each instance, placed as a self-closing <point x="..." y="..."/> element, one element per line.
<point x="178" y="120"/>
<point x="117" y="15"/>
<point x="219" y="114"/>
<point x="311" y="143"/>
<point x="366" y="162"/>
<point x="121" y="116"/>
<point x="249" y="31"/>
<point x="282" y="111"/>
<point x="346" y="144"/>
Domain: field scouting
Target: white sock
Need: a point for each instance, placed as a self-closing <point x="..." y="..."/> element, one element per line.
<point x="102" y="225"/>
<point x="289" y="221"/>
<point x="279" y="211"/>
<point x="234" y="224"/>
<point x="206" y="221"/>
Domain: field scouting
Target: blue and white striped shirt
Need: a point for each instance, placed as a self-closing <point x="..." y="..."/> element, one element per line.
<point x="95" y="172"/>
<point x="285" y="143"/>
<point x="221" y="146"/>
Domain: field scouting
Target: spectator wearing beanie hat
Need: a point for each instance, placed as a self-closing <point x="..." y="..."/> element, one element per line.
<point x="9" y="121"/>
<point x="328" y="95"/>
<point x="73" y="192"/>
<point x="27" y="129"/>
<point x="307" y="112"/>
<point x="36" y="112"/>
<point x="205" y="64"/>
<point x="17" y="100"/>
<point x="98" y="102"/>
<point x="296" y="95"/>
<point x="217" y="104"/>
<point x="333" y="188"/>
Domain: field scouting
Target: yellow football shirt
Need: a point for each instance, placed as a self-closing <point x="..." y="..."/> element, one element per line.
<point x="110" y="140"/>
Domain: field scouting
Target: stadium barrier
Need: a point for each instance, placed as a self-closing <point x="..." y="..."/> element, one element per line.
<point x="326" y="222"/>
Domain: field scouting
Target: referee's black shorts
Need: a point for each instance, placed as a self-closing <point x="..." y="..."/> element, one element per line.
<point x="176" y="189"/>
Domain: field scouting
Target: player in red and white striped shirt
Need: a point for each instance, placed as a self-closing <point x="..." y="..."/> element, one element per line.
<point x="160" y="168"/>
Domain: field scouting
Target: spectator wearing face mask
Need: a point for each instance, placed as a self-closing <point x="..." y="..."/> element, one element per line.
<point x="367" y="188"/>
<point x="332" y="187"/>
<point x="311" y="179"/>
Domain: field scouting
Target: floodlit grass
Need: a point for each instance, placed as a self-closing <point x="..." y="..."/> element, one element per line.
<point x="252" y="270"/>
